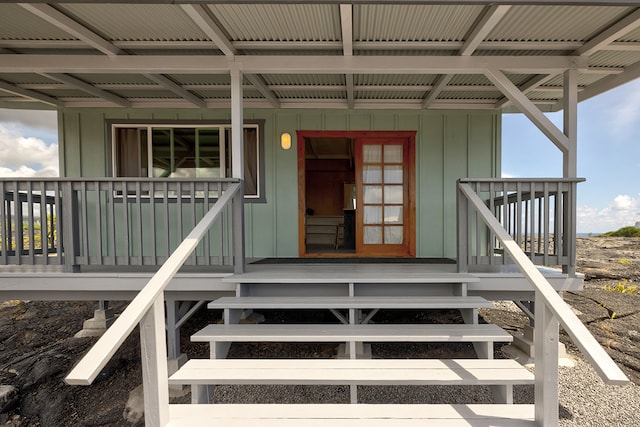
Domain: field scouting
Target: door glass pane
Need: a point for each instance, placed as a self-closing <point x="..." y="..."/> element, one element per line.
<point x="372" y="235"/>
<point x="393" y="174"/>
<point x="373" y="214"/>
<point x="372" y="153"/>
<point x="393" y="194"/>
<point x="372" y="174"/>
<point x="393" y="153"/>
<point x="393" y="215"/>
<point x="373" y="194"/>
<point x="393" y="235"/>
<point x="162" y="152"/>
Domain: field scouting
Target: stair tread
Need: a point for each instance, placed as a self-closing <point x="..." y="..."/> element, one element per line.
<point x="347" y="273"/>
<point x="352" y="371"/>
<point x="359" y="332"/>
<point x="345" y="302"/>
<point x="370" y="415"/>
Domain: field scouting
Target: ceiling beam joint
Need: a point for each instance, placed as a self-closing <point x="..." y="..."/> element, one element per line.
<point x="71" y="26"/>
<point x="175" y="88"/>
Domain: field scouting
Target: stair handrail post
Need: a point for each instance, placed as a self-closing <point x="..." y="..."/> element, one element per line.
<point x="462" y="231"/>
<point x="550" y="311"/>
<point x="238" y="239"/>
<point x="71" y="227"/>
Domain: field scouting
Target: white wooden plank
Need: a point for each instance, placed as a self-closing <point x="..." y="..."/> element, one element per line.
<point x="377" y="415"/>
<point x="362" y="333"/>
<point x="350" y="273"/>
<point x="370" y="302"/>
<point x="387" y="372"/>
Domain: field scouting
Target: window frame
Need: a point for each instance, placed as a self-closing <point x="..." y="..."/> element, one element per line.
<point x="259" y="125"/>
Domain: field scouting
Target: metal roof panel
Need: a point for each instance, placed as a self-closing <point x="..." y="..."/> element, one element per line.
<point x="392" y="22"/>
<point x="279" y="22"/>
<point x="554" y="23"/>
<point x="137" y="21"/>
<point x="17" y="23"/>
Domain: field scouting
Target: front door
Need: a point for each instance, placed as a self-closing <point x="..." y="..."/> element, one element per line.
<point x="383" y="214"/>
<point x="356" y="193"/>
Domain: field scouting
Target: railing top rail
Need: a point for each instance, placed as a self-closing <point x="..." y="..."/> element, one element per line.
<point x="121" y="179"/>
<point x="94" y="361"/>
<point x="582" y="338"/>
<point x="482" y="180"/>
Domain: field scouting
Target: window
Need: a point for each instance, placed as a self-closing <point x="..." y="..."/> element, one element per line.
<point x="185" y="151"/>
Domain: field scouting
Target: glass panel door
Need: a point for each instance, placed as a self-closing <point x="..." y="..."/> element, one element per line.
<point x="382" y="176"/>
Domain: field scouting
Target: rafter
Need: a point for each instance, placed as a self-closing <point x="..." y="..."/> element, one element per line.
<point x="86" y="87"/>
<point x="200" y="16"/>
<point x="65" y="23"/>
<point x="288" y="64"/>
<point x="611" y="34"/>
<point x="530" y="85"/>
<point x="172" y="86"/>
<point x="259" y="84"/>
<point x="489" y="19"/>
<point x="534" y="114"/>
<point x="28" y="93"/>
<point x="441" y="82"/>
<point x="487" y="22"/>
<point x="346" y="24"/>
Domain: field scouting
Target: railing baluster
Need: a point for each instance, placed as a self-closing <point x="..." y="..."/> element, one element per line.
<point x="31" y="223"/>
<point x="547" y="225"/>
<point x="139" y="224"/>
<point x="85" y="222"/>
<point x="19" y="233"/>
<point x="152" y="227"/>
<point x="59" y="235"/>
<point x="167" y="230"/>
<point x="99" y="225"/>
<point x="5" y="212"/>
<point x="179" y="211"/>
<point x="112" y="222"/>
<point x="223" y="218"/>
<point x="125" y="222"/>
<point x="532" y="225"/>
<point x="192" y="200"/>
<point x="44" y="224"/>
<point x="207" y="238"/>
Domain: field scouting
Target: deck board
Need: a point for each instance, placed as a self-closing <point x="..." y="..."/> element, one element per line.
<point x="351" y="273"/>
<point x="369" y="415"/>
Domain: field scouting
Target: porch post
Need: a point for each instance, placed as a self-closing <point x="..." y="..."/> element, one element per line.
<point x="569" y="164"/>
<point x="546" y="359"/>
<point x="237" y="168"/>
<point x="570" y="167"/>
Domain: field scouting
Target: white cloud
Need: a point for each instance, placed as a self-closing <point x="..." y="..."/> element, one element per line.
<point x="22" y="156"/>
<point x="623" y="211"/>
<point x="32" y="118"/>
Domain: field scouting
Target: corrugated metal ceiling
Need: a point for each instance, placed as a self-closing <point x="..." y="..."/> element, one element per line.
<point x="141" y="29"/>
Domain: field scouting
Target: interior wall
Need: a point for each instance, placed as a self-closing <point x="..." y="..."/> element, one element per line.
<point x="449" y="145"/>
<point x="324" y="184"/>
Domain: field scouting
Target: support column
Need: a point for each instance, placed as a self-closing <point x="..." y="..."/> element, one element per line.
<point x="96" y="326"/>
<point x="546" y="375"/>
<point x="237" y="168"/>
<point x="569" y="158"/>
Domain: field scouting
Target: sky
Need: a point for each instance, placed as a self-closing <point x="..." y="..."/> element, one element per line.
<point x="608" y="153"/>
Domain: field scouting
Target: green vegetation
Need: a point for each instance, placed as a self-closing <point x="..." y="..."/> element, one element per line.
<point x="622" y="287"/>
<point x="623" y="232"/>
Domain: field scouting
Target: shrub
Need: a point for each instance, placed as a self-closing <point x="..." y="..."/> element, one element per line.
<point x="624" y="232"/>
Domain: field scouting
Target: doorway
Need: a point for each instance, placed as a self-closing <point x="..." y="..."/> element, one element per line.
<point x="356" y="194"/>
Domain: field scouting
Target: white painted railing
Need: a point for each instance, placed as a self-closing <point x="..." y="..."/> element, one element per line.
<point x="550" y="309"/>
<point x="147" y="309"/>
<point x="79" y="222"/>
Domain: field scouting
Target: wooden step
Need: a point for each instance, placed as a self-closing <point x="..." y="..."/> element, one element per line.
<point x="347" y="273"/>
<point x="353" y="371"/>
<point x="360" y="415"/>
<point x="347" y="332"/>
<point x="346" y="302"/>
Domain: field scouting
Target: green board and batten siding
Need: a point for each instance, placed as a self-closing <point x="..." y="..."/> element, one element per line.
<point x="449" y="145"/>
